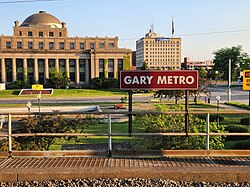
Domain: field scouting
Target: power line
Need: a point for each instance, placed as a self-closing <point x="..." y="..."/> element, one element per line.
<point x="216" y="32"/>
<point x="199" y="34"/>
<point x="23" y="1"/>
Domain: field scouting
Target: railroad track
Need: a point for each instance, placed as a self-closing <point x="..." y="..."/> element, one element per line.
<point x="211" y="169"/>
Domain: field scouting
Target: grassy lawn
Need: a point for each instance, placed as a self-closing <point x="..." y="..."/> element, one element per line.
<point x="66" y="93"/>
<point x="136" y="142"/>
<point x="122" y="127"/>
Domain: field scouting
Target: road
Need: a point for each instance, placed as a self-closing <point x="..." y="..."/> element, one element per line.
<point x="237" y="95"/>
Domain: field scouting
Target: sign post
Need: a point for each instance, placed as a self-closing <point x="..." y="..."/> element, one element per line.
<point x="157" y="80"/>
<point x="246" y="82"/>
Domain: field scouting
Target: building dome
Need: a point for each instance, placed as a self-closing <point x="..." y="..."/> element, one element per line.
<point x="42" y="19"/>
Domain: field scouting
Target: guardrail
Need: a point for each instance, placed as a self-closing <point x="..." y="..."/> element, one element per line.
<point x="109" y="134"/>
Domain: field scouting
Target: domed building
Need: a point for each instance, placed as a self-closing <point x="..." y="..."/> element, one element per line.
<point x="40" y="45"/>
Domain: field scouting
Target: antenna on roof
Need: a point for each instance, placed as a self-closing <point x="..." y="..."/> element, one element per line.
<point x="151" y="28"/>
<point x="172" y="27"/>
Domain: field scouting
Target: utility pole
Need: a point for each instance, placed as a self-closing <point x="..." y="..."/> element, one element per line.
<point x="229" y="80"/>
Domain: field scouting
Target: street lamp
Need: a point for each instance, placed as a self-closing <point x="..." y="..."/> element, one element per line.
<point x="229" y="80"/>
<point x="29" y="106"/>
<point x="218" y="105"/>
<point x="39" y="96"/>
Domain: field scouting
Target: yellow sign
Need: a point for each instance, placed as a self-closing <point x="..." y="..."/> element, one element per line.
<point x="246" y="80"/>
<point x="37" y="87"/>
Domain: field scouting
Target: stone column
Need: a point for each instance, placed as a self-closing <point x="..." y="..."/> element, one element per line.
<point x="92" y="66"/>
<point x="106" y="67"/>
<point x="3" y="71"/>
<point x="14" y="69"/>
<point x="36" y="73"/>
<point x="77" y="72"/>
<point x="67" y="67"/>
<point x="57" y="65"/>
<point x="25" y="70"/>
<point x="87" y="71"/>
<point x="115" y="68"/>
<point x="46" y="68"/>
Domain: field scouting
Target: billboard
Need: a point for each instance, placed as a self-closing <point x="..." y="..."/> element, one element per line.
<point x="159" y="80"/>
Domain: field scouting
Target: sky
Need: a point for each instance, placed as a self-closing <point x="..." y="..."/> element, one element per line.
<point x="204" y="25"/>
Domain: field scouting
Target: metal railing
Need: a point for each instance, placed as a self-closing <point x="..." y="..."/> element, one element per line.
<point x="109" y="135"/>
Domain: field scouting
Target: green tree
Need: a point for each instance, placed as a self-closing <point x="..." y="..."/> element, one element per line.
<point x="176" y="94"/>
<point x="46" y="124"/>
<point x="221" y="61"/>
<point x="176" y="123"/>
<point x="245" y="64"/>
<point x="126" y="62"/>
<point x="145" y="66"/>
<point x="205" y="85"/>
<point x="58" y="79"/>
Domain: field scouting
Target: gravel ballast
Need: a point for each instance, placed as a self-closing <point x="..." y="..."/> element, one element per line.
<point x="119" y="182"/>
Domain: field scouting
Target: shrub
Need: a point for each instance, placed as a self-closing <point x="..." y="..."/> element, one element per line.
<point x="46" y="124"/>
<point x="103" y="82"/>
<point x="237" y="104"/>
<point x="18" y="84"/>
<point x="213" y="117"/>
<point x="245" y="121"/>
<point x="237" y="129"/>
<point x="242" y="145"/>
<point x="176" y="123"/>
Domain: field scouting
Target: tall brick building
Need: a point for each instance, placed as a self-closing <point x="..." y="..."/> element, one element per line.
<point x="158" y="52"/>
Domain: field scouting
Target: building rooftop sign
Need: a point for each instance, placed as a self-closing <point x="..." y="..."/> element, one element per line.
<point x="161" y="39"/>
<point x="159" y="80"/>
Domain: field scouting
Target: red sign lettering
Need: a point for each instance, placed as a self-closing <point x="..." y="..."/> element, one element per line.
<point x="247" y="74"/>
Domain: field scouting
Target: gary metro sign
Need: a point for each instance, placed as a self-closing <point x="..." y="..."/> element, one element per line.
<point x="159" y="80"/>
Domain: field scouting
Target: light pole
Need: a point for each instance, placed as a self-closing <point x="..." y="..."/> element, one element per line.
<point x="218" y="105"/>
<point x="39" y="96"/>
<point x="229" y="80"/>
<point x="29" y="106"/>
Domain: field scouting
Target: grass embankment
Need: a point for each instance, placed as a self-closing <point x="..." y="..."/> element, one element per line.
<point x="66" y="93"/>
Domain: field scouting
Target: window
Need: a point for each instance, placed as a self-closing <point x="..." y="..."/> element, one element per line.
<point x="51" y="45"/>
<point x="82" y="76"/>
<point x="61" y="45"/>
<point x="40" y="45"/>
<point x="111" y="45"/>
<point x="82" y="63"/>
<point x="72" y="76"/>
<point x="51" y="34"/>
<point x="8" y="45"/>
<point x="51" y="63"/>
<point x="101" y="63"/>
<point x="101" y="45"/>
<point x="120" y="64"/>
<point x="72" y="63"/>
<point x="92" y="45"/>
<point x="72" y="45"/>
<point x="60" y="34"/>
<point x="29" y="33"/>
<point x="111" y="63"/>
<point x="20" y="33"/>
<point x="81" y="45"/>
<point x="19" y="45"/>
<point x="40" y="34"/>
<point x="30" y="45"/>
